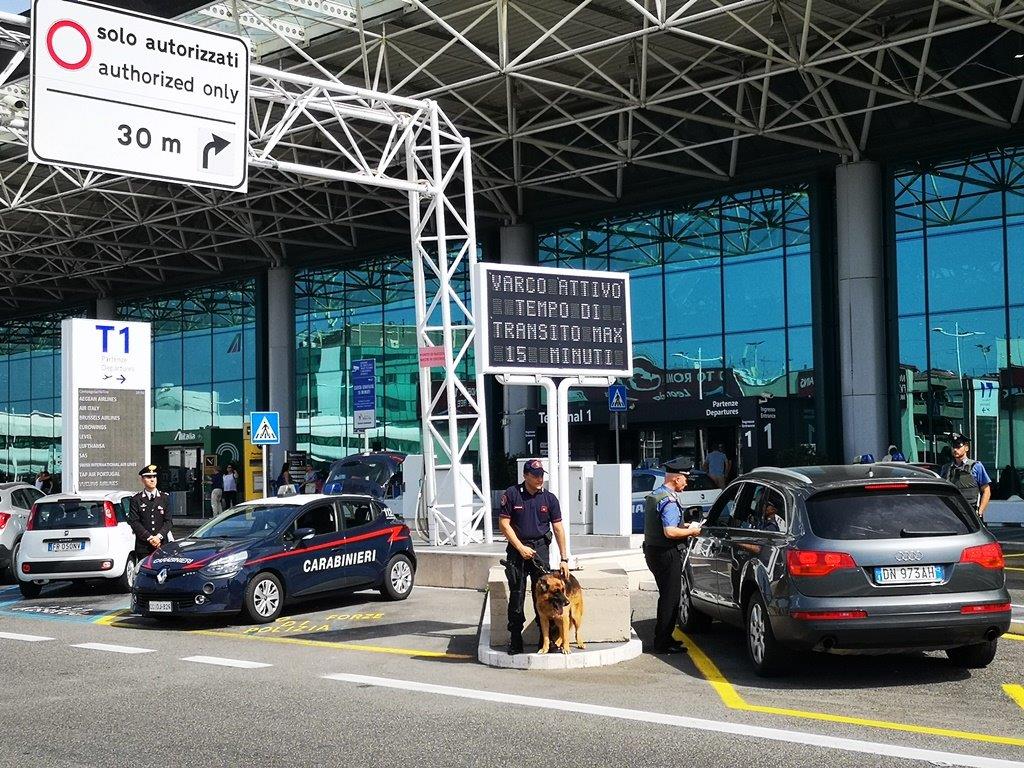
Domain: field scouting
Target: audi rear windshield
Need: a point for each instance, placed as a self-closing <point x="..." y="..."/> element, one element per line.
<point x="889" y="514"/>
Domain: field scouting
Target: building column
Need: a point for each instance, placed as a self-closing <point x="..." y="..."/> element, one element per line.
<point x="862" y="330"/>
<point x="517" y="245"/>
<point x="105" y="309"/>
<point x="281" y="359"/>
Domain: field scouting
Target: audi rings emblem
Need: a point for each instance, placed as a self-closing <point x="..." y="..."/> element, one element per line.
<point x="909" y="555"/>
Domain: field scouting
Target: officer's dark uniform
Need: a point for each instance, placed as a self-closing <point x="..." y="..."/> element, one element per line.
<point x="149" y="516"/>
<point x="531" y="517"/>
<point x="661" y="509"/>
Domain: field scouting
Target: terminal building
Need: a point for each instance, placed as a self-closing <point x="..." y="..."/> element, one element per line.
<point x="820" y="207"/>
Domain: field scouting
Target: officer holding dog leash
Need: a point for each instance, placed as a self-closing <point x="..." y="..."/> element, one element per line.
<point x="527" y="517"/>
<point x="664" y="531"/>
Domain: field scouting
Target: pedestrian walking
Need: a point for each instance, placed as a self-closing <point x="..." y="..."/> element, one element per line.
<point x="230" y="495"/>
<point x="217" y="492"/>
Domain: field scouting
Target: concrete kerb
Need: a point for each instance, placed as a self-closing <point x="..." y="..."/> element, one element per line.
<point x="596" y="654"/>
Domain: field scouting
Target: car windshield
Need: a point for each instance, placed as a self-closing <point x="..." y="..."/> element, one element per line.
<point x="68" y="513"/>
<point x="369" y="469"/>
<point x="863" y="514"/>
<point x="247" y="521"/>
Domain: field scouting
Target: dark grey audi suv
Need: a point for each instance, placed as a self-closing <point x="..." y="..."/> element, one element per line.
<point x="865" y="557"/>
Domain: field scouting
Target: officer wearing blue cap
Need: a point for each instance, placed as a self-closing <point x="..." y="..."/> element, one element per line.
<point x="528" y="515"/>
<point x="663" y="532"/>
<point x="968" y="475"/>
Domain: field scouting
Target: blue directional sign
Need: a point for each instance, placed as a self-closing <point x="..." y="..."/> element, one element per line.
<point x="617" y="400"/>
<point x="266" y="427"/>
<point x="364" y="394"/>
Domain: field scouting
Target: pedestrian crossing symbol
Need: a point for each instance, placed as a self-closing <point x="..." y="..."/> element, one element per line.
<point x="617" y="401"/>
<point x="266" y="428"/>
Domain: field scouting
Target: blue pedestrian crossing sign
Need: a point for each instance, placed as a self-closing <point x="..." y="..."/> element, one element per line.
<point x="617" y="400"/>
<point x="266" y="427"/>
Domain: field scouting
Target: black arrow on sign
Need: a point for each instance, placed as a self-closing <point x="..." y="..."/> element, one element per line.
<point x="121" y="378"/>
<point x="216" y="145"/>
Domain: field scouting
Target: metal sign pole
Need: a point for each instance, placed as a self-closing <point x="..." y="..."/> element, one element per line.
<point x="266" y="480"/>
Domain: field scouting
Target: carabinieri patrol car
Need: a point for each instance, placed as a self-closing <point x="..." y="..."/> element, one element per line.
<point x="256" y="556"/>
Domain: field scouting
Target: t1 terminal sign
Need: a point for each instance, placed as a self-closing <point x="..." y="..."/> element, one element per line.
<point x="106" y="384"/>
<point x="122" y="92"/>
<point x="554" y="322"/>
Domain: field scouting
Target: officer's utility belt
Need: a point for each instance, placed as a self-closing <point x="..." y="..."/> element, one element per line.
<point x="546" y="538"/>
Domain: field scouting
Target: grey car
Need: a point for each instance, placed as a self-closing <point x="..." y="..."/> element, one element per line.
<point x="869" y="557"/>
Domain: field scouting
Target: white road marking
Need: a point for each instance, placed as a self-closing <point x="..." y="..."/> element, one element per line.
<point x="240" y="663"/>
<point x="112" y="648"/>
<point x="26" y="638"/>
<point x="692" y="723"/>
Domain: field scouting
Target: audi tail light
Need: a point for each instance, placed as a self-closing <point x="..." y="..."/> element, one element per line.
<point x="808" y="562"/>
<point x="828" y="615"/>
<point x="985" y="555"/>
<point x="109" y="515"/>
<point x="986" y="608"/>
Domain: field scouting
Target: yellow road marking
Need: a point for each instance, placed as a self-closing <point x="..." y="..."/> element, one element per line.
<point x="329" y="644"/>
<point x="732" y="699"/>
<point x="1014" y="554"/>
<point x="1014" y="569"/>
<point x="1011" y="636"/>
<point x="1015" y="692"/>
<point x="111" y="618"/>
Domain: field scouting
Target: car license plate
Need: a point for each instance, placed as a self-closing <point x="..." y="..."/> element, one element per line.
<point x="909" y="574"/>
<point x="160" y="606"/>
<point x="65" y="546"/>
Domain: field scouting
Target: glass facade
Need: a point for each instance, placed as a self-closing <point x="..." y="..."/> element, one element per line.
<point x="204" y="355"/>
<point x="347" y="315"/>
<point x="30" y="399"/>
<point x="959" y="264"/>
<point x="721" y="317"/>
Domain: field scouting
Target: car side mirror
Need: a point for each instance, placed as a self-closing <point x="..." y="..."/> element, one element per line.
<point x="304" y="534"/>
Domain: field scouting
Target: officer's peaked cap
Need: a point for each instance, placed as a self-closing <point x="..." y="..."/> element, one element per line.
<point x="148" y="471"/>
<point x="678" y="466"/>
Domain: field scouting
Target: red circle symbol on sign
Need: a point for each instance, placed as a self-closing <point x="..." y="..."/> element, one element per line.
<point x="57" y="27"/>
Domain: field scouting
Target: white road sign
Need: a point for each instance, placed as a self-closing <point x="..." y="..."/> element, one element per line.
<point x="122" y="92"/>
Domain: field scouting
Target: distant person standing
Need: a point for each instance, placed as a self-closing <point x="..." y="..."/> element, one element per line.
<point x="217" y="492"/>
<point x="717" y="465"/>
<point x="968" y="475"/>
<point x="44" y="483"/>
<point x="230" y="486"/>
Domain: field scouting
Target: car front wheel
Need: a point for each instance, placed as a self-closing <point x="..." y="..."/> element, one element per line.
<point x="973" y="656"/>
<point x="127" y="580"/>
<point x="398" y="578"/>
<point x="264" y="598"/>
<point x="690" y="619"/>
<point x="767" y="655"/>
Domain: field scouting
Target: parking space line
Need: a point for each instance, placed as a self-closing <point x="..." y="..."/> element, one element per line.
<point x="109" y="619"/>
<point x="682" y="721"/>
<point x="334" y="645"/>
<point x="24" y="638"/>
<point x="112" y="648"/>
<point x="1008" y="568"/>
<point x="734" y="700"/>
<point x="1012" y="636"/>
<point x="1015" y="692"/>
<point x="222" y="662"/>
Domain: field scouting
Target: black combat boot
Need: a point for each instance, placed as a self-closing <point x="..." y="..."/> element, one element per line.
<point x="515" y="643"/>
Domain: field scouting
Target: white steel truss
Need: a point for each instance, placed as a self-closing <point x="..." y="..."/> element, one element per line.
<point x="319" y="131"/>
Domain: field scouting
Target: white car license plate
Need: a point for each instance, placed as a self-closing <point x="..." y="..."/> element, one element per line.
<point x="909" y="574"/>
<point x="160" y="606"/>
<point x="65" y="546"/>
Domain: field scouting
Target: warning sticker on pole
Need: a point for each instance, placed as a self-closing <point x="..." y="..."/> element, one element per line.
<point x="556" y="322"/>
<point x="149" y="97"/>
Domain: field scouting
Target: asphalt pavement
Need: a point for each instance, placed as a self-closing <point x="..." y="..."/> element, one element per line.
<point x="357" y="680"/>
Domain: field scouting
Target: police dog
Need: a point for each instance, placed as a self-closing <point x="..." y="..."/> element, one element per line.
<point x="559" y="603"/>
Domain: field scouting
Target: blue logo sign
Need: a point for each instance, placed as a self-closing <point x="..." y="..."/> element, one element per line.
<point x="617" y="400"/>
<point x="266" y="427"/>
<point x="364" y="394"/>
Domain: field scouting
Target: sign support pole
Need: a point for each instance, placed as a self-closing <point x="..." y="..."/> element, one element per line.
<point x="266" y="480"/>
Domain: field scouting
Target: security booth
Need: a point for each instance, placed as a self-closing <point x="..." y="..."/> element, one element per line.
<point x="188" y="460"/>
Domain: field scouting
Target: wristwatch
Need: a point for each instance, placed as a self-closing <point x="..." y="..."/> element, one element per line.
<point x="564" y="560"/>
